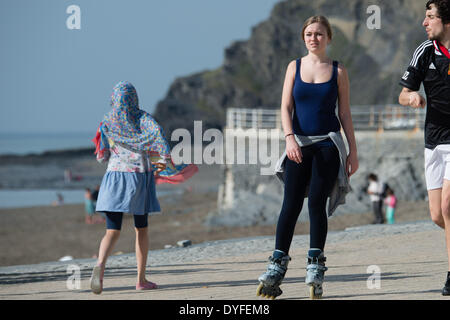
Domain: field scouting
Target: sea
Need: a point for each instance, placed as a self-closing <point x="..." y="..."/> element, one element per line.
<point x="38" y="142"/>
<point x="29" y="198"/>
<point x="23" y="198"/>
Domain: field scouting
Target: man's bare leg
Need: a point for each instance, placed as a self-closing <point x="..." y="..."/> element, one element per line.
<point x="435" y="203"/>
<point x="445" y="205"/>
<point x="446" y="214"/>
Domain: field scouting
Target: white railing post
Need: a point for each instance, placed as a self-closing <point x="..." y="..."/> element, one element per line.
<point x="255" y="119"/>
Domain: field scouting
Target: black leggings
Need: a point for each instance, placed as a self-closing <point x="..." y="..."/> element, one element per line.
<point x="320" y="167"/>
<point x="114" y="220"/>
<point x="378" y="211"/>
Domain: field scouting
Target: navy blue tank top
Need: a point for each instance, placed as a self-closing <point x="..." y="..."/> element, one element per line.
<point x="315" y="105"/>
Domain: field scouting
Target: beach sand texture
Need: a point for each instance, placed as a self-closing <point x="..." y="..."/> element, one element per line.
<point x="409" y="258"/>
<point x="40" y="234"/>
<point x="211" y="269"/>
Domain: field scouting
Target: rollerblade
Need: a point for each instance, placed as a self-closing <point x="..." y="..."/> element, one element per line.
<point x="446" y="289"/>
<point x="315" y="270"/>
<point x="269" y="282"/>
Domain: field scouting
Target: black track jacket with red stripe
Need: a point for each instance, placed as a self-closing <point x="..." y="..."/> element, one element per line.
<point x="431" y="66"/>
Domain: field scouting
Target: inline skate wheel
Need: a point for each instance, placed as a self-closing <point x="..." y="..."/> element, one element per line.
<point x="315" y="293"/>
<point x="258" y="290"/>
<point x="268" y="293"/>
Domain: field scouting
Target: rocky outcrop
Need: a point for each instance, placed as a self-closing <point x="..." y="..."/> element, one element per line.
<point x="253" y="71"/>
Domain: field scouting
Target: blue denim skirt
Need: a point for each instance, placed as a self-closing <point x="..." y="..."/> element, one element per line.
<point x="128" y="192"/>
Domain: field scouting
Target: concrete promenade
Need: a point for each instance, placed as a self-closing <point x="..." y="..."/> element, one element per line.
<point x="411" y="259"/>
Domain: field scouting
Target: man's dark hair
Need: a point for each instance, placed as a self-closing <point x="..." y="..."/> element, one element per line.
<point x="443" y="9"/>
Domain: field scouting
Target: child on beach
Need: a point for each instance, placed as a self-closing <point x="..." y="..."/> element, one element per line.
<point x="138" y="157"/>
<point x="89" y="207"/>
<point x="391" y="204"/>
<point x="59" y="200"/>
<point x="375" y="190"/>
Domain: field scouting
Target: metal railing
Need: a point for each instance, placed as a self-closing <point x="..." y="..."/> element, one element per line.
<point x="386" y="117"/>
<point x="247" y="118"/>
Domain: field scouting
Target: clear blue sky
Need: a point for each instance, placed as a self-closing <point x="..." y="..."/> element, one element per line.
<point x="53" y="79"/>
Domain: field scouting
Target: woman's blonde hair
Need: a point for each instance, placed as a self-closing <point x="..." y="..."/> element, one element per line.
<point x="317" y="19"/>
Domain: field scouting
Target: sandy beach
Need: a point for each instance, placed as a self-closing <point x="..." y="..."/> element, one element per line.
<point x="34" y="238"/>
<point x="42" y="234"/>
<point x="47" y="233"/>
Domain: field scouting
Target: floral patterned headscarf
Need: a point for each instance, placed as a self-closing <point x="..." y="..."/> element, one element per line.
<point x="129" y="125"/>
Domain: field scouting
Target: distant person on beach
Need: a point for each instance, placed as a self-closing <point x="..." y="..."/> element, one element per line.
<point x="430" y="66"/>
<point x="315" y="158"/>
<point x="138" y="157"/>
<point x="59" y="200"/>
<point x="391" y="203"/>
<point x="67" y="176"/>
<point x="375" y="191"/>
<point x="89" y="207"/>
<point x="94" y="198"/>
<point x="95" y="193"/>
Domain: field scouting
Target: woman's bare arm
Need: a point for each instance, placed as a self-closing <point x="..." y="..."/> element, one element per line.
<point x="345" y="117"/>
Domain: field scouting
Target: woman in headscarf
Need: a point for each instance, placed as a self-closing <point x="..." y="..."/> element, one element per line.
<point x="138" y="156"/>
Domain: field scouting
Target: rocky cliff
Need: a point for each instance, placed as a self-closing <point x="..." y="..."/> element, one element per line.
<point x="253" y="71"/>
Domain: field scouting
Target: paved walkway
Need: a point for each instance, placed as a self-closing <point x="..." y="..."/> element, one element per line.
<point x="411" y="260"/>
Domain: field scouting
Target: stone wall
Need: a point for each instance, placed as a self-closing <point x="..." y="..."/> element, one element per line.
<point x="248" y="198"/>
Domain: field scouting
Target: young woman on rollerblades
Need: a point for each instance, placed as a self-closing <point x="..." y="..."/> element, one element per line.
<point x="315" y="155"/>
